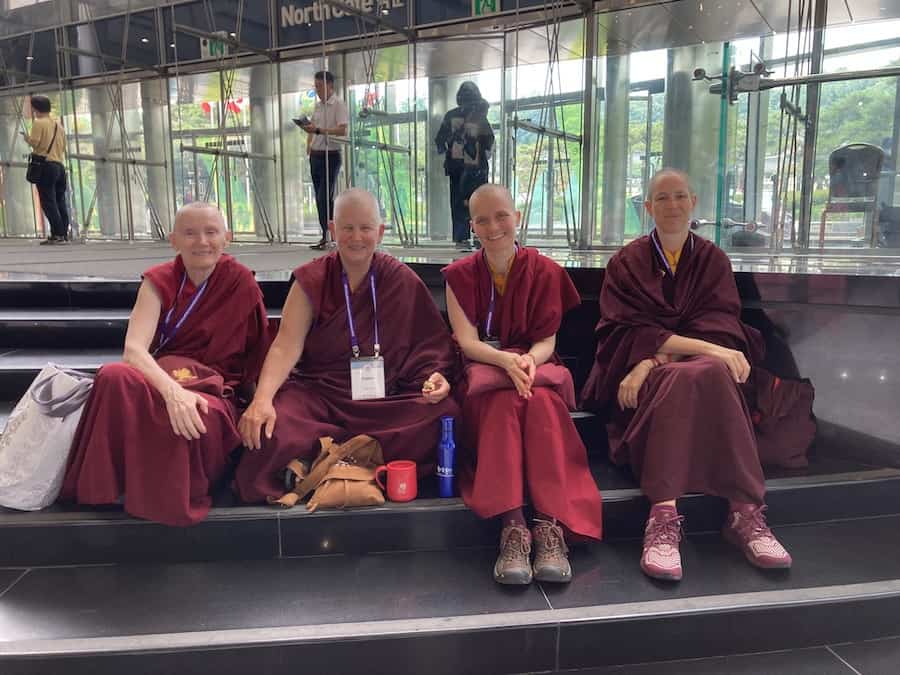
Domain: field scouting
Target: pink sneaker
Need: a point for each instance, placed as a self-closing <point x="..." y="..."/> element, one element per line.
<point x="746" y="528"/>
<point x="661" y="558"/>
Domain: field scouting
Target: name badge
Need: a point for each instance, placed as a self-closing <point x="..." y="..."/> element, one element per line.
<point x="493" y="343"/>
<point x="367" y="378"/>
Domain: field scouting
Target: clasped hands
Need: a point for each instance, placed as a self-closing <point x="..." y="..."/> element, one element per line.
<point x="521" y="369"/>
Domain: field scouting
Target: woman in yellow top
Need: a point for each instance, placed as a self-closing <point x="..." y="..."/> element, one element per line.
<point x="48" y="138"/>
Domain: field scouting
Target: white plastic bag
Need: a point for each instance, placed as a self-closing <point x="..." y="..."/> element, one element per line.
<point x="35" y="444"/>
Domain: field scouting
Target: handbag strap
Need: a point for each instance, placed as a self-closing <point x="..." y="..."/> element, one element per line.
<point x="321" y="467"/>
<point x="64" y="404"/>
<point x="52" y="141"/>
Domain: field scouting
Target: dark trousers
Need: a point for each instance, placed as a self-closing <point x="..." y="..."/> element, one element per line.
<point x="52" y="190"/>
<point x="462" y="185"/>
<point x="324" y="168"/>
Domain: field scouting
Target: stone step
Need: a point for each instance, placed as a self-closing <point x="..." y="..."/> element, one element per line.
<point x="439" y="612"/>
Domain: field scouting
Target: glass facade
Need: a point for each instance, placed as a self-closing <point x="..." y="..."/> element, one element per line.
<point x="792" y="150"/>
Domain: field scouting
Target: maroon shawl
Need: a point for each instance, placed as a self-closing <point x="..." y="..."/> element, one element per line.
<point x="414" y="338"/>
<point x="538" y="294"/>
<point x="227" y="330"/>
<point x="641" y="306"/>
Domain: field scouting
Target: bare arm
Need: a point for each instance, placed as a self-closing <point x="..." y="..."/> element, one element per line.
<point x="182" y="405"/>
<point x="542" y="350"/>
<point x="286" y="350"/>
<point x="141" y="328"/>
<point x="678" y="345"/>
<point x="33" y="138"/>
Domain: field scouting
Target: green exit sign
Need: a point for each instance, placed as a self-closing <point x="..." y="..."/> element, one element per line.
<point x="482" y="7"/>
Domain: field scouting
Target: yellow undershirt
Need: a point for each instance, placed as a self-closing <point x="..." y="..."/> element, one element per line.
<point x="673" y="258"/>
<point x="501" y="277"/>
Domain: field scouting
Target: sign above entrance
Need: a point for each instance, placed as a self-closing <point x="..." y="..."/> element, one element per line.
<point x="483" y="7"/>
<point x="302" y="22"/>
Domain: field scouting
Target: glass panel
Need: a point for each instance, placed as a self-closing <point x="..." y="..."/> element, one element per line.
<point x="382" y="119"/>
<point x="232" y="111"/>
<point x="18" y="200"/>
<point x="544" y="116"/>
<point x="298" y="98"/>
<point x="98" y="187"/>
<point x="447" y="64"/>
<point x="855" y="168"/>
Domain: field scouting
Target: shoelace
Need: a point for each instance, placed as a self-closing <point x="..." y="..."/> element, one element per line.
<point x="551" y="537"/>
<point x="510" y="550"/>
<point x="753" y="524"/>
<point x="666" y="531"/>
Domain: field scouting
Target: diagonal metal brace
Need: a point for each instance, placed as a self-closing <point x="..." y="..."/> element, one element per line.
<point x="375" y="19"/>
<point x="223" y="36"/>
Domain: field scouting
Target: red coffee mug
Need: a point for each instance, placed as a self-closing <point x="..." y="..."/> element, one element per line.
<point x="401" y="480"/>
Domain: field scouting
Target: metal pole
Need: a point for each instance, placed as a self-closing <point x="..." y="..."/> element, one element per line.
<point x="414" y="163"/>
<point x="588" y="131"/>
<point x="895" y="139"/>
<point x="812" y="123"/>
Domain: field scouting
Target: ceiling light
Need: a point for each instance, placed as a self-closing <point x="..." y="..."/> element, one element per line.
<point x="233" y="34"/>
<point x="145" y="40"/>
<point x="29" y="58"/>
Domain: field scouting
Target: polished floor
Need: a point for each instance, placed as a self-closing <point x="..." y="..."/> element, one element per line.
<point x="26" y="259"/>
<point x="873" y="657"/>
<point x="99" y="600"/>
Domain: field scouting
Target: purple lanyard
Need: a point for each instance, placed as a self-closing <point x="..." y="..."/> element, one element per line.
<point x="167" y="334"/>
<point x="654" y="237"/>
<point x="354" y="340"/>
<point x="493" y="303"/>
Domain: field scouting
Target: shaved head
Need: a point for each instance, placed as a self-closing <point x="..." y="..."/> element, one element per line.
<point x="356" y="200"/>
<point x="200" y="210"/>
<point x="482" y="192"/>
<point x="667" y="173"/>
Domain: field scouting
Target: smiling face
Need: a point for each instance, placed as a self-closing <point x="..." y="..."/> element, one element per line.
<point x="670" y="202"/>
<point x="357" y="227"/>
<point x="199" y="236"/>
<point x="494" y="218"/>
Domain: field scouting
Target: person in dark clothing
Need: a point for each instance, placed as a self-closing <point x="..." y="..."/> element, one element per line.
<point x="48" y="138"/>
<point x="466" y="139"/>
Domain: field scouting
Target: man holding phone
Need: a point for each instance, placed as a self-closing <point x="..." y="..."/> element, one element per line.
<point x="329" y="119"/>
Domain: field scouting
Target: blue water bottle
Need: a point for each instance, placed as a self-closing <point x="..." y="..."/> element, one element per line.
<point x="446" y="458"/>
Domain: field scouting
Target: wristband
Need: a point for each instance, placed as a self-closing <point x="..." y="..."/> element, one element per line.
<point x="318" y="131"/>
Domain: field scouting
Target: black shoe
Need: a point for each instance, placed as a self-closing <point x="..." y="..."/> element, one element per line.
<point x="54" y="240"/>
<point x="321" y="246"/>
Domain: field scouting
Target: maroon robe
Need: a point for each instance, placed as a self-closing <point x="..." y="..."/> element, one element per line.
<point x="316" y="399"/>
<point x="523" y="448"/>
<point x="692" y="430"/>
<point x="125" y="444"/>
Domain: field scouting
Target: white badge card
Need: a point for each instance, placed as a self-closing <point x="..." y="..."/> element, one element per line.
<point x="367" y="378"/>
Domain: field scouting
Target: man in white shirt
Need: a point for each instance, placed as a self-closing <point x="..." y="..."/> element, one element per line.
<point x="330" y="118"/>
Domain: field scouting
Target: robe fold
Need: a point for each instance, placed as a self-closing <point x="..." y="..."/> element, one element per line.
<point x="124" y="444"/>
<point x="692" y="430"/>
<point x="316" y="400"/>
<point x="519" y="449"/>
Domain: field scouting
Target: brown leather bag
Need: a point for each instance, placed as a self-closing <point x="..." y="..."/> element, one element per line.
<point x="343" y="475"/>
